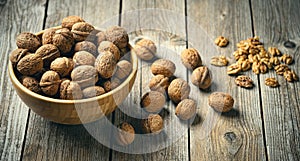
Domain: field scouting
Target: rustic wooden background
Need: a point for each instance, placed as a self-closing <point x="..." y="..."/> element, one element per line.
<point x="265" y="123"/>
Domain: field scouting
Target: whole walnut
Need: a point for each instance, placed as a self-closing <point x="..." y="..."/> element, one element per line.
<point x="220" y="101"/>
<point x="105" y="64"/>
<point x="62" y="65"/>
<point x="70" y="90"/>
<point x="159" y="83"/>
<point x="190" y="58"/>
<point x="63" y="39"/>
<point x="86" y="46"/>
<point x="31" y="83"/>
<point x="186" y="109"/>
<point x="153" y="124"/>
<point x="100" y="37"/>
<point x="30" y="64"/>
<point x="85" y="75"/>
<point x="81" y="30"/>
<point x="145" y="49"/>
<point x="164" y="67"/>
<point x="47" y="37"/>
<point x="153" y="101"/>
<point x="117" y="35"/>
<point x="16" y="55"/>
<point x="125" y="134"/>
<point x="28" y="41"/>
<point x="178" y="90"/>
<point x="201" y="77"/>
<point x="69" y="21"/>
<point x="83" y="58"/>
<point x="50" y="82"/>
<point x="93" y="91"/>
<point x="109" y="46"/>
<point x="124" y="68"/>
<point x="48" y="53"/>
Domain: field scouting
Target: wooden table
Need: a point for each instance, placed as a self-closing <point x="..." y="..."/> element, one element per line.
<point x="265" y="122"/>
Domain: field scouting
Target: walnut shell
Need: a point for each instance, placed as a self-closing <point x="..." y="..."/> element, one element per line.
<point x="164" y="67"/>
<point x="178" y="90"/>
<point x="16" y="55"/>
<point x="85" y="75"/>
<point x="124" y="68"/>
<point x="69" y="21"/>
<point x="201" y="77"/>
<point x="153" y="124"/>
<point x="31" y="83"/>
<point x="111" y="84"/>
<point x="221" y="102"/>
<point x="159" y="83"/>
<point x="153" y="101"/>
<point x="93" y="91"/>
<point x="105" y="64"/>
<point x="117" y="35"/>
<point x="63" y="39"/>
<point x="109" y="46"/>
<point x="62" y="65"/>
<point x="186" y="109"/>
<point x="48" y="53"/>
<point x="70" y="90"/>
<point x="145" y="49"/>
<point x="125" y="134"/>
<point x="30" y="64"/>
<point x="86" y="46"/>
<point x="47" y="37"/>
<point x="83" y="58"/>
<point x="50" y="82"/>
<point x="28" y="41"/>
<point x="100" y="37"/>
<point x="190" y="58"/>
<point x="81" y="30"/>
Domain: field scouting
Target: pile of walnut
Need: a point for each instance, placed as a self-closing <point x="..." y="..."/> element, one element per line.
<point x="251" y="54"/>
<point x="75" y="61"/>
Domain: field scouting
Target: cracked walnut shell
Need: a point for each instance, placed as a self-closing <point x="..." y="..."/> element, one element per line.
<point x="164" y="67"/>
<point x="220" y="101"/>
<point x="153" y="124"/>
<point x="244" y="81"/>
<point x="145" y="49"/>
<point x="153" y="101"/>
<point x="125" y="134"/>
<point x="159" y="83"/>
<point x="106" y="64"/>
<point x="70" y="90"/>
<point x="190" y="58"/>
<point x="178" y="90"/>
<point x="201" y="77"/>
<point x="28" y="41"/>
<point x="30" y="64"/>
<point x="50" y="82"/>
<point x="186" y="109"/>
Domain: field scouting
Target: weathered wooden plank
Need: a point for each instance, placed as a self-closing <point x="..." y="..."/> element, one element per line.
<point x="238" y="134"/>
<point x="144" y="23"/>
<point x="50" y="141"/>
<point x="276" y="22"/>
<point x="16" y="17"/>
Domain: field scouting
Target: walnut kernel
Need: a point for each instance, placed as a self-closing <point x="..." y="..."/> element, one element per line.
<point x="244" y="81"/>
<point x="221" y="41"/>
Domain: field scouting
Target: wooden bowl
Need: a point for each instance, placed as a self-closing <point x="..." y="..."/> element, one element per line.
<point x="74" y="112"/>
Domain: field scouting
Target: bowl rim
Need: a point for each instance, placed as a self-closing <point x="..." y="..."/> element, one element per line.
<point x="62" y="101"/>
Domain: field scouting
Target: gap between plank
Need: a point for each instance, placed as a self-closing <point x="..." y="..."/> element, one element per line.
<point x="45" y="15"/>
<point x="259" y="89"/>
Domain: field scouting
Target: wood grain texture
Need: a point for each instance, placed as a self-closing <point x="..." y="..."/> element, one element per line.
<point x="50" y="141"/>
<point x="16" y="17"/>
<point x="236" y="135"/>
<point x="277" y="22"/>
<point x="143" y="24"/>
